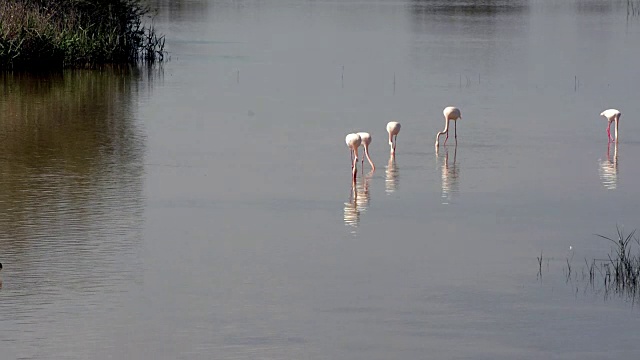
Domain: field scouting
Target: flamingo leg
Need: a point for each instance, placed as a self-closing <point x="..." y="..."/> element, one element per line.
<point x="351" y="154"/>
<point x="455" y="130"/>
<point x="609" y="131"/>
<point x="395" y="142"/>
<point x="355" y="163"/>
<point x="447" y="132"/>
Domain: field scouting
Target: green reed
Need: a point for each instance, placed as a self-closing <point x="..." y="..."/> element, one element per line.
<point x="40" y="34"/>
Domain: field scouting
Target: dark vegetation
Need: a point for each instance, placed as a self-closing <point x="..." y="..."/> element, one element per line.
<point x="633" y="8"/>
<point x="618" y="273"/>
<point x="42" y="34"/>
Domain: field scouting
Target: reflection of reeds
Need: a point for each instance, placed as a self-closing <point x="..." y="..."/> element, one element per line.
<point x="467" y="8"/>
<point x="71" y="156"/>
<point x="74" y="116"/>
<point x="619" y="273"/>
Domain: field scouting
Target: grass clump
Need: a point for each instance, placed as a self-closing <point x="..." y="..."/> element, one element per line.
<point x="633" y="8"/>
<point x="618" y="273"/>
<point x="41" y="34"/>
<point x="622" y="268"/>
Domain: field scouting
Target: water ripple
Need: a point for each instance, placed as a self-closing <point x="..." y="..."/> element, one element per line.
<point x="71" y="199"/>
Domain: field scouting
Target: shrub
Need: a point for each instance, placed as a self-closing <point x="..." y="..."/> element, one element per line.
<point x="36" y="34"/>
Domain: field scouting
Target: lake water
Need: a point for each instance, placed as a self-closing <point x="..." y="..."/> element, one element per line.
<point x="205" y="210"/>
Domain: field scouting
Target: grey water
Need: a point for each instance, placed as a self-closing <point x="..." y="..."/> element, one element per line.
<point x="204" y="209"/>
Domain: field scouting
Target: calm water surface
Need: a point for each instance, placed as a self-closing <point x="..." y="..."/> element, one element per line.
<point x="205" y="210"/>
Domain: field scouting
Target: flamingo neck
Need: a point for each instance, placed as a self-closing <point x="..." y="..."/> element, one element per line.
<point x="446" y="129"/>
<point x="366" y="152"/>
<point x="446" y="126"/>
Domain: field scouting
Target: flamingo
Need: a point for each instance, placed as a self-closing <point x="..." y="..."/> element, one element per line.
<point x="612" y="115"/>
<point x="366" y="140"/>
<point x="450" y="113"/>
<point x="393" y="128"/>
<point x="0" y="276"/>
<point x="353" y="142"/>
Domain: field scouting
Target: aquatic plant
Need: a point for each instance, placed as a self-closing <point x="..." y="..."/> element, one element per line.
<point x="622" y="271"/>
<point x="618" y="273"/>
<point x="633" y="8"/>
<point x="39" y="34"/>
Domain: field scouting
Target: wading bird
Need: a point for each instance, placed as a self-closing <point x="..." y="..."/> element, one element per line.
<point x="353" y="142"/>
<point x="366" y="140"/>
<point x="612" y="115"/>
<point x="393" y="128"/>
<point x="450" y="113"/>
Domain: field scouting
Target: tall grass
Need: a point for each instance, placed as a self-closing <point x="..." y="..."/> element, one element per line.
<point x="633" y="8"/>
<point x="622" y="270"/>
<point x="619" y="272"/>
<point x="41" y="34"/>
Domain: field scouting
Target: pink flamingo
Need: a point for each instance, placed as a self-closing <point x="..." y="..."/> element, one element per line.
<point x="450" y="113"/>
<point x="353" y="142"/>
<point x="366" y="140"/>
<point x="393" y="128"/>
<point x="612" y="115"/>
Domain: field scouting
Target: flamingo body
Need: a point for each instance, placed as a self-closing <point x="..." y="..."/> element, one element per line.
<point x="366" y="140"/>
<point x="393" y="128"/>
<point x="612" y="115"/>
<point x="353" y="142"/>
<point x="450" y="113"/>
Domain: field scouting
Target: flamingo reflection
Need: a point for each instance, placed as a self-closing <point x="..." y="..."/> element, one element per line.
<point x="358" y="203"/>
<point x="608" y="168"/>
<point x="362" y="190"/>
<point x="351" y="211"/>
<point x="392" y="175"/>
<point x="450" y="173"/>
